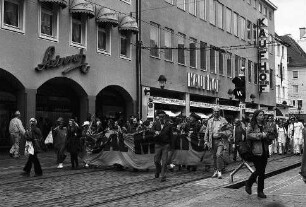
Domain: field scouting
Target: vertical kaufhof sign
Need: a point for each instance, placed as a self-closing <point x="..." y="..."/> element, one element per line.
<point x="263" y="54"/>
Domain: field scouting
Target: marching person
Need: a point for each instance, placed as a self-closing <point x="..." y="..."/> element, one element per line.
<point x="271" y="126"/>
<point x="30" y="135"/>
<point x="16" y="130"/>
<point x="303" y="166"/>
<point x="73" y="142"/>
<point x="59" y="134"/>
<point x="162" y="144"/>
<point x="214" y="140"/>
<point x="238" y="136"/>
<point x="257" y="134"/>
<point x="282" y="137"/>
<point x="295" y="134"/>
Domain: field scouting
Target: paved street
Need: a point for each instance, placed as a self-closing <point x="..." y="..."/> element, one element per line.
<point x="108" y="187"/>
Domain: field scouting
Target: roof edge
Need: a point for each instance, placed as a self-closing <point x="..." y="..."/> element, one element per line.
<point x="271" y="4"/>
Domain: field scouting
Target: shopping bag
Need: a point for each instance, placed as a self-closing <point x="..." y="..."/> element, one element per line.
<point x="29" y="149"/>
<point x="49" y="138"/>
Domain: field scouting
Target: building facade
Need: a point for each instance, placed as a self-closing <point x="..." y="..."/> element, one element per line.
<point x="199" y="47"/>
<point x="302" y="40"/>
<point x="296" y="76"/>
<point x="66" y="58"/>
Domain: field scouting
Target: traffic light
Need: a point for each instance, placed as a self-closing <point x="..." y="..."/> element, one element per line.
<point x="239" y="90"/>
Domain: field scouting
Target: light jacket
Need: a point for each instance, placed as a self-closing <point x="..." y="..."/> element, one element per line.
<point x="208" y="138"/>
<point x="259" y="145"/>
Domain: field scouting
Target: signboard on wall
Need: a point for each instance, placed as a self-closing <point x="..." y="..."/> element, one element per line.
<point x="263" y="56"/>
<point x="203" y="82"/>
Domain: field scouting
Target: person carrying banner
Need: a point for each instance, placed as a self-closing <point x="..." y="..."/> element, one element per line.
<point x="162" y="144"/>
<point x="214" y="140"/>
<point x="16" y="130"/>
<point x="59" y="134"/>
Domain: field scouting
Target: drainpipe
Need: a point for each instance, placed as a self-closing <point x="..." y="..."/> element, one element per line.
<point x="138" y="61"/>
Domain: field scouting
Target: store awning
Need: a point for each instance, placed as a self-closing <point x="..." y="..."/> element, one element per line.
<point x="82" y="7"/>
<point x="62" y="3"/>
<point x="128" y="23"/>
<point x="172" y="114"/>
<point x="107" y="16"/>
<point x="203" y="116"/>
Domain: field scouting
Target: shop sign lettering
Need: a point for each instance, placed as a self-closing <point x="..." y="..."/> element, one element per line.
<point x="77" y="61"/>
<point x="170" y="101"/>
<point x="202" y="82"/>
<point x="263" y="54"/>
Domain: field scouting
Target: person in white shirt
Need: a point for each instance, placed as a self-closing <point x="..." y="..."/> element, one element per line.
<point x="16" y="130"/>
<point x="295" y="133"/>
<point x="282" y="137"/>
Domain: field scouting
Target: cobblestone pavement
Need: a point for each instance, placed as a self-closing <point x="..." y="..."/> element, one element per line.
<point x="108" y="187"/>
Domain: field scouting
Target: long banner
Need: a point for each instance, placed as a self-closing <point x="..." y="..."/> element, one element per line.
<point x="136" y="150"/>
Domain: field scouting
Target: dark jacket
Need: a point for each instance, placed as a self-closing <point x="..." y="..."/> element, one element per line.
<point x="35" y="136"/>
<point x="165" y="135"/>
<point x="239" y="134"/>
<point x="74" y="139"/>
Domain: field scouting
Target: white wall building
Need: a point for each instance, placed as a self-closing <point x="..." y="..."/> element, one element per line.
<point x="302" y="40"/>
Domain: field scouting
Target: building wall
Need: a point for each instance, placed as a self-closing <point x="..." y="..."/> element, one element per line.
<point x="202" y="30"/>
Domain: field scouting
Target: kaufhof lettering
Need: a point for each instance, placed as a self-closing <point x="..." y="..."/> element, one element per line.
<point x="203" y="82"/>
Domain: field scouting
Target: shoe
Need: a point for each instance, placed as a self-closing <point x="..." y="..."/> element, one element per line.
<point x="25" y="174"/>
<point x="60" y="166"/>
<point x="156" y="175"/>
<point x="38" y="175"/>
<point x="261" y="195"/>
<point x="219" y="175"/>
<point x="248" y="188"/>
<point x="215" y="174"/>
<point x="163" y="179"/>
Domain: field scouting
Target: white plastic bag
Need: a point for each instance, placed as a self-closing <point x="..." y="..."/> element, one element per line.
<point x="49" y="138"/>
<point x="29" y="149"/>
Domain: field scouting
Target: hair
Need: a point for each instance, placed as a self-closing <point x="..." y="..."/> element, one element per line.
<point x="254" y="118"/>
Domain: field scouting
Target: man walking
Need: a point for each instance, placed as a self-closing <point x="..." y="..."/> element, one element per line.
<point x="162" y="144"/>
<point x="238" y="136"/>
<point x="16" y="130"/>
<point x="215" y="139"/>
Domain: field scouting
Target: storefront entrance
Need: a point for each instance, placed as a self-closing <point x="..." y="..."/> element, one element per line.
<point x="10" y="90"/>
<point x="114" y="102"/>
<point x="60" y="97"/>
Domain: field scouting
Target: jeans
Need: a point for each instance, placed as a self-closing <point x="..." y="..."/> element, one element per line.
<point x="60" y="153"/>
<point x="37" y="168"/>
<point x="218" y="148"/>
<point x="260" y="163"/>
<point x="161" y="155"/>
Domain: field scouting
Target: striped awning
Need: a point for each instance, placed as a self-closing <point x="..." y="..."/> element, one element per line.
<point x="82" y="7"/>
<point x="128" y="23"/>
<point x="62" y="3"/>
<point x="107" y="16"/>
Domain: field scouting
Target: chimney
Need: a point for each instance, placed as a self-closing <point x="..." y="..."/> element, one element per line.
<point x="302" y="33"/>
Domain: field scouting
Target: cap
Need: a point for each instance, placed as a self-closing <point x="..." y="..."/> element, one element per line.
<point x="86" y="123"/>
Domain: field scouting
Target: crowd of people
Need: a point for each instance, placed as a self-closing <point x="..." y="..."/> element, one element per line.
<point x="268" y="136"/>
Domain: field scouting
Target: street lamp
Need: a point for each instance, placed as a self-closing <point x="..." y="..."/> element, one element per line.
<point x="162" y="81"/>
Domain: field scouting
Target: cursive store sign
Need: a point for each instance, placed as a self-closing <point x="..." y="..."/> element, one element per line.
<point x="74" y="62"/>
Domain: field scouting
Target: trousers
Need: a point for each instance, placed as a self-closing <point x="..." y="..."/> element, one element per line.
<point x="260" y="163"/>
<point x="33" y="159"/>
<point x="161" y="158"/>
<point x="217" y="150"/>
<point x="74" y="159"/>
<point x="15" y="148"/>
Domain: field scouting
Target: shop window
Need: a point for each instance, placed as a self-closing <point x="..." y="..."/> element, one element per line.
<point x="202" y="8"/>
<point x="104" y="39"/>
<point x="192" y="7"/>
<point x="78" y="30"/>
<point x="181" y="49"/>
<point x="203" y="61"/>
<point x="181" y="4"/>
<point x="125" y="45"/>
<point x="168" y="44"/>
<point x="154" y="39"/>
<point x="193" y="53"/>
<point x="212" y="12"/>
<point x="228" y="20"/>
<point x="13" y="15"/>
<point x="48" y="25"/>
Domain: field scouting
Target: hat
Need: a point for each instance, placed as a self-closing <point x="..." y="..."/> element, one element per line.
<point x="17" y="113"/>
<point x="216" y="108"/>
<point x="60" y="119"/>
<point x="195" y="116"/>
<point x="86" y="123"/>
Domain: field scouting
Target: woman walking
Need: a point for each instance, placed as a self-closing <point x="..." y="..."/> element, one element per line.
<point x="282" y="137"/>
<point x="73" y="142"/>
<point x="258" y="136"/>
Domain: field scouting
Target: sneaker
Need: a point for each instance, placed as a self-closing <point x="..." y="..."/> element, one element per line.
<point x="219" y="175"/>
<point x="215" y="174"/>
<point x="60" y="166"/>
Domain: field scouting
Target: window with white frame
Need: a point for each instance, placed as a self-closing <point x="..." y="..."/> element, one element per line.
<point x="48" y="26"/>
<point x="78" y="30"/>
<point x="168" y="44"/>
<point x="228" y="20"/>
<point x="202" y="8"/>
<point x="249" y="30"/>
<point x="193" y="53"/>
<point x="154" y="39"/>
<point x="181" y="48"/>
<point x="125" y="45"/>
<point x="235" y="24"/>
<point x="212" y="12"/>
<point x="13" y="12"/>
<point x="181" y="4"/>
<point x="242" y="28"/>
<point x="192" y="7"/>
<point x="104" y="39"/>
<point x="295" y="74"/>
<point x="295" y="88"/>
<point x="203" y="61"/>
<point x="213" y="65"/>
<point x="219" y="15"/>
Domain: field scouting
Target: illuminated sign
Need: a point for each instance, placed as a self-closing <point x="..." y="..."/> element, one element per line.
<point x="263" y="54"/>
<point x="203" y="82"/>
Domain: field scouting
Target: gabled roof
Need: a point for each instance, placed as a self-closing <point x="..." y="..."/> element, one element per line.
<point x="296" y="55"/>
